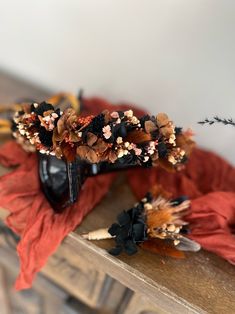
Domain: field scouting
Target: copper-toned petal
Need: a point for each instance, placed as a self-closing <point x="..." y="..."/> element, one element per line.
<point x="150" y="126"/>
<point x="68" y="151"/>
<point x="101" y="146"/>
<point x="58" y="137"/>
<point x="185" y="142"/>
<point x="162" y="119"/>
<point x="107" y="117"/>
<point x="58" y="152"/>
<point x="73" y="137"/>
<point x="91" y="138"/>
<point x="60" y="125"/>
<point x="72" y="119"/>
<point x="87" y="153"/>
<point x="165" y="164"/>
<point x="82" y="151"/>
<point x="47" y="113"/>
<point x="112" y="156"/>
<point x="92" y="156"/>
<point x="167" y="130"/>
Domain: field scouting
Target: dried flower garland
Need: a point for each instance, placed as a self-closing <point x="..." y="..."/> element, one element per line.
<point x="154" y="218"/>
<point x="62" y="100"/>
<point x="106" y="137"/>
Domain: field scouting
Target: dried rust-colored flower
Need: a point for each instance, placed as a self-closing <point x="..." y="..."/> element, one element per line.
<point x="65" y="135"/>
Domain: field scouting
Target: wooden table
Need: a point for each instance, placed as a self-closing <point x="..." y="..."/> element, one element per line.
<point x="145" y="283"/>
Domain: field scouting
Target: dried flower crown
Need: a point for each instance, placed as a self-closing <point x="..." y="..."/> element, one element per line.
<point x="109" y="136"/>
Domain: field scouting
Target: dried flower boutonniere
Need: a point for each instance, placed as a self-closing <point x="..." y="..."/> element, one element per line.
<point x="155" y="224"/>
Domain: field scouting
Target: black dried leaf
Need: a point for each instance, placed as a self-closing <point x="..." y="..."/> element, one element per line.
<point x="14" y="126"/>
<point x="121" y="114"/>
<point x="131" y="229"/>
<point x="45" y="137"/>
<point x="155" y="135"/>
<point x="139" y="232"/>
<point x="42" y="107"/>
<point x="178" y="130"/>
<point x="143" y="120"/>
<point x="116" y="250"/>
<point x="121" y="238"/>
<point x="130" y="247"/>
<point x="113" y="230"/>
<point x="162" y="150"/>
<point x="123" y="218"/>
<point x="120" y="130"/>
<point x="97" y="124"/>
<point x="149" y="197"/>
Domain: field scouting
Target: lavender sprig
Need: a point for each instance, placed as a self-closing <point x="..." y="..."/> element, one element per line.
<point x="216" y="119"/>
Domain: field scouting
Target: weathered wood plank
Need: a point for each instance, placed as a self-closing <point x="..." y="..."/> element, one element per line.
<point x="4" y="297"/>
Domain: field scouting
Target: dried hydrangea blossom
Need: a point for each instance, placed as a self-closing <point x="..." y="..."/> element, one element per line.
<point x="154" y="218"/>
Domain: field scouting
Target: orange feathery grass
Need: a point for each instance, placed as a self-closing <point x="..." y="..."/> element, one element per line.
<point x="163" y="213"/>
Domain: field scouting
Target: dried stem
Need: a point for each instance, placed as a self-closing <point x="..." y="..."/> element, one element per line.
<point x="100" y="234"/>
<point x="216" y="119"/>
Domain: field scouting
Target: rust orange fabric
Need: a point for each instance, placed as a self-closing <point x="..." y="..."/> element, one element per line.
<point x="208" y="180"/>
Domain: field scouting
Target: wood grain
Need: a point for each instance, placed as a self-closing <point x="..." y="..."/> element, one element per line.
<point x="201" y="283"/>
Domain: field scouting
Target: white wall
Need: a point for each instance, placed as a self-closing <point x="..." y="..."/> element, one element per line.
<point x="176" y="56"/>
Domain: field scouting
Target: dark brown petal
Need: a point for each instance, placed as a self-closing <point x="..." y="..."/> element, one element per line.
<point x="107" y="117"/>
<point x="87" y="153"/>
<point x="165" y="164"/>
<point x="101" y="146"/>
<point x="58" y="152"/>
<point x="112" y="156"/>
<point x="73" y="137"/>
<point x="91" y="156"/>
<point x="71" y="120"/>
<point x="91" y="138"/>
<point x="60" y="125"/>
<point x="58" y="137"/>
<point x="109" y="156"/>
<point x="26" y="107"/>
<point x="68" y="152"/>
<point x="154" y="156"/>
